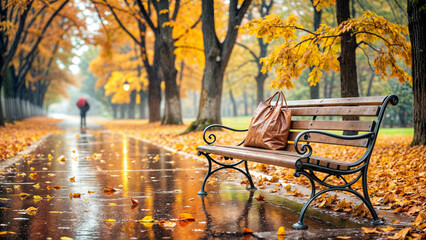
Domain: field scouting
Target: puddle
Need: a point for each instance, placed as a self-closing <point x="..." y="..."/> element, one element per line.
<point x="164" y="184"/>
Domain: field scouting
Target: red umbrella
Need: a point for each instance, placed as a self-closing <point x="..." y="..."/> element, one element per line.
<point x="81" y="102"/>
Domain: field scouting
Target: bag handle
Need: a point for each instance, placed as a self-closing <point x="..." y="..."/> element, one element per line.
<point x="280" y="94"/>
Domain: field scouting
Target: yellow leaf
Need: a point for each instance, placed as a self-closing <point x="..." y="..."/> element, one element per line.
<point x="33" y="176"/>
<point x="343" y="237"/>
<point x="109" y="220"/>
<point x="147" y="219"/>
<point x="9" y="190"/>
<point x="31" y="210"/>
<point x="4" y="199"/>
<point x="387" y="229"/>
<point x="36" y="186"/>
<point x="37" y="198"/>
<point x="112" y="204"/>
<point x="369" y="230"/>
<point x="281" y="231"/>
<point x="23" y="195"/>
<point x="66" y="238"/>
<point x="72" y="179"/>
<point x="401" y="234"/>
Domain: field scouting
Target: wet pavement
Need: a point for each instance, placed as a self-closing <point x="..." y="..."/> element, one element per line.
<point x="165" y="185"/>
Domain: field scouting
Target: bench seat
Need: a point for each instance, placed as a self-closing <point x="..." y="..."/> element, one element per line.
<point x="274" y="157"/>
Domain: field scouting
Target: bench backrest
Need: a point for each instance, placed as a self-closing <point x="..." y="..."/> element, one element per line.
<point x="372" y="107"/>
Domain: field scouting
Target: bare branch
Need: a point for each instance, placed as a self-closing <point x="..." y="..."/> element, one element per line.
<point x="122" y="25"/>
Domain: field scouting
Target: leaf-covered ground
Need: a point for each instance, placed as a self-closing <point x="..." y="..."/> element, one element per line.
<point x="397" y="172"/>
<point x="18" y="136"/>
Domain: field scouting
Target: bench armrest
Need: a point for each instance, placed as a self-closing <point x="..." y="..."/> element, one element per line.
<point x="212" y="137"/>
<point x="306" y="150"/>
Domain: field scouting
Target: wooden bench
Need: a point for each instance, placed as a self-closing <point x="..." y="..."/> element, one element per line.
<point x="298" y="153"/>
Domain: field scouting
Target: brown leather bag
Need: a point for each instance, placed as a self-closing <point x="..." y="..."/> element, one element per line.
<point x="270" y="126"/>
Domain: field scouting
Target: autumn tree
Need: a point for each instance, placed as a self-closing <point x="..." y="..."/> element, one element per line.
<point x="416" y="23"/>
<point x="217" y="54"/>
<point x="322" y="49"/>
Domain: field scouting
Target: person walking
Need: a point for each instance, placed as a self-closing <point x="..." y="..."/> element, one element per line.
<point x="84" y="106"/>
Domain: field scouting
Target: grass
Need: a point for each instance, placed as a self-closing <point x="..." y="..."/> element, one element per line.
<point x="243" y="122"/>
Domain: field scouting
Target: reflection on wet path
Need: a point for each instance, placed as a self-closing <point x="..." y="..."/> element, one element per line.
<point x="164" y="184"/>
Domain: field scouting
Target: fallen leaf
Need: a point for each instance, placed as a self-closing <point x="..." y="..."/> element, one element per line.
<point x="420" y="218"/>
<point x="49" y="187"/>
<point x="88" y="191"/>
<point x="167" y="224"/>
<point x="37" y="198"/>
<point x="4" y="199"/>
<point x="112" y="204"/>
<point x="134" y="202"/>
<point x="369" y="230"/>
<point x="281" y="231"/>
<point x="72" y="179"/>
<point x="260" y="197"/>
<point x="9" y="190"/>
<point x="7" y="232"/>
<point x="146" y="219"/>
<point x="57" y="187"/>
<point x="23" y="195"/>
<point x="61" y="158"/>
<point x="36" y="186"/>
<point x="33" y="176"/>
<point x="387" y="229"/>
<point x="109" y="190"/>
<point x="401" y="234"/>
<point x="110" y="220"/>
<point x="186" y="217"/>
<point x="31" y="210"/>
<point x="343" y="237"/>
<point x="247" y="231"/>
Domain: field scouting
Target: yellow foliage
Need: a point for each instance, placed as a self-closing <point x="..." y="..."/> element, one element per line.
<point x="320" y="50"/>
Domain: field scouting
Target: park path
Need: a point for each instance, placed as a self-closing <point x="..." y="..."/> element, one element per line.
<point x="165" y="184"/>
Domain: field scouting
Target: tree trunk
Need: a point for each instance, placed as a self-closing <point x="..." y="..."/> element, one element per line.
<point x="260" y="83"/>
<point x="245" y="103"/>
<point x="416" y="19"/>
<point x="347" y="59"/>
<point x="234" y="104"/>
<point x="114" y="111"/>
<point x="1" y="105"/>
<point x="154" y="92"/>
<point x="132" y="105"/>
<point x="370" y="84"/>
<point x="314" y="90"/>
<point x="216" y="57"/>
<point x="173" y="110"/>
<point x="142" y="97"/>
<point x="123" y="111"/>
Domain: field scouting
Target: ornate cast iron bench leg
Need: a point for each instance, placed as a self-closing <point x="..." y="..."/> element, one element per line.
<point x="223" y="166"/>
<point x="345" y="188"/>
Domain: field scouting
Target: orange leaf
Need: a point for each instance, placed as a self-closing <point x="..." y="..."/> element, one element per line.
<point x="260" y="197"/>
<point x="109" y="190"/>
<point x="186" y="217"/>
<point x="134" y="202"/>
<point x="247" y="231"/>
<point x="401" y="234"/>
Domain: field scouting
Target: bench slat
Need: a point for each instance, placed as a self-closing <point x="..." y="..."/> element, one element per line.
<point x="376" y="100"/>
<point x="336" y="111"/>
<point x="320" y="138"/>
<point x="273" y="157"/>
<point x="365" y="126"/>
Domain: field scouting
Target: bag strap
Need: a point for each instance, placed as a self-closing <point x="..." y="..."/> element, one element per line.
<point x="283" y="97"/>
<point x="269" y="100"/>
<point x="280" y="96"/>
